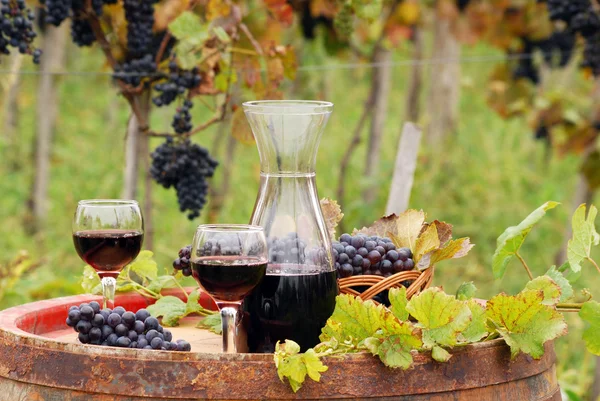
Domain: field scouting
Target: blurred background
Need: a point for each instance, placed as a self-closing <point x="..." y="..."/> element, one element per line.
<point x="505" y="91"/>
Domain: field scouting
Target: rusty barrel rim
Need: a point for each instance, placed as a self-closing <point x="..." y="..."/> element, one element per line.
<point x="32" y="358"/>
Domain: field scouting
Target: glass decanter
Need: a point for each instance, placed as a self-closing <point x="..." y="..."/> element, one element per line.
<point x="297" y="295"/>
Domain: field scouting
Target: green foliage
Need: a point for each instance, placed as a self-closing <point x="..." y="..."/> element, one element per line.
<point x="512" y="238"/>
<point x="566" y="290"/>
<point x="295" y="366"/>
<point x="212" y="323"/>
<point x="398" y="302"/>
<point x="551" y="291"/>
<point x="11" y="272"/>
<point x="466" y="291"/>
<point x="584" y="237"/>
<point x="590" y="313"/>
<point x="172" y="309"/>
<point x="524" y="321"/>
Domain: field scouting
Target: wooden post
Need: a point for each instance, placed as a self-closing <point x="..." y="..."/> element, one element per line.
<point x="11" y="111"/>
<point x="445" y="82"/>
<point x="413" y="95"/>
<point x="53" y="59"/>
<point x="404" y="170"/>
<point x="381" y="90"/>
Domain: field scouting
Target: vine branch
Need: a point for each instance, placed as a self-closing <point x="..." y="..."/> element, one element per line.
<point x="525" y="265"/>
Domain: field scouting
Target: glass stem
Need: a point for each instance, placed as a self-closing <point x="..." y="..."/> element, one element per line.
<point x="109" y="285"/>
<point x="229" y="320"/>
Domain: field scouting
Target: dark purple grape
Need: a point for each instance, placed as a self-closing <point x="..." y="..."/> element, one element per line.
<point x="69" y="322"/>
<point x="346" y="238"/>
<point x="362" y="252"/>
<point x="370" y="245"/>
<point x="404" y="253"/>
<point x="374" y="257"/>
<point x="346" y="270"/>
<point x="95" y="306"/>
<point x="119" y="310"/>
<point x="398" y="266"/>
<point x="366" y="265"/>
<point x="132" y="335"/>
<point x="392" y="255"/>
<point x="83" y="326"/>
<point x="106" y="331"/>
<point x="87" y="313"/>
<point x="139" y="327"/>
<point x="114" y="319"/>
<point x="151" y="334"/>
<point x="112" y="339"/>
<point x="95" y="333"/>
<point x="123" y="342"/>
<point x="128" y="319"/>
<point x="142" y="342"/>
<point x="357" y="260"/>
<point x="105" y="313"/>
<point x="98" y="320"/>
<point x="156" y="343"/>
<point x="142" y="315"/>
<point x="151" y="323"/>
<point x="84" y="338"/>
<point x="121" y="330"/>
<point x="74" y="307"/>
<point x="168" y="335"/>
<point x="389" y="246"/>
<point x="350" y="251"/>
<point x="343" y="258"/>
<point x="381" y="250"/>
<point x="356" y="270"/>
<point x="133" y="344"/>
<point x="183" y="345"/>
<point x="386" y="267"/>
<point x="358" y="241"/>
<point x="75" y="316"/>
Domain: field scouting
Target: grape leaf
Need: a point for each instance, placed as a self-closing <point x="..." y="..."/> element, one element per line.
<point x="549" y="288"/>
<point x="211" y="323"/>
<point x="398" y="301"/>
<point x="189" y="27"/>
<point x="466" y="291"/>
<point x="566" y="290"/>
<point x="524" y="321"/>
<point x="90" y="280"/>
<point x="509" y="243"/>
<point x="441" y="316"/>
<point x="294" y="366"/>
<point x="221" y="34"/>
<point x="161" y="282"/>
<point x="394" y="342"/>
<point x="477" y="327"/>
<point x="352" y="318"/>
<point x="439" y="354"/>
<point x="332" y="213"/>
<point x="453" y="249"/>
<point x="584" y="236"/>
<point x="172" y="309"/>
<point x="403" y="229"/>
<point x="144" y="266"/>
<point x="590" y="312"/>
<point x="427" y="241"/>
<point x="444" y="230"/>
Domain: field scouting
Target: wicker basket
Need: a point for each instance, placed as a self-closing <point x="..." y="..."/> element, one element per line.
<point x="377" y="284"/>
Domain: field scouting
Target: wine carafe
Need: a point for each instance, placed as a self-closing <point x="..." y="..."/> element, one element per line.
<point x="297" y="295"/>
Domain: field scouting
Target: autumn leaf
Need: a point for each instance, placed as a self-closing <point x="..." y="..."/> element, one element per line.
<point x="548" y="287"/>
<point x="524" y="321"/>
<point x="426" y="242"/>
<point x="394" y="342"/>
<point x="441" y="316"/>
<point x="403" y="229"/>
<point x="444" y="230"/>
<point x="453" y="249"/>
<point x="584" y="236"/>
<point x="512" y="238"/>
<point x="332" y="214"/>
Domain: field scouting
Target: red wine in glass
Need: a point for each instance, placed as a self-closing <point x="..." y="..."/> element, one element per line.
<point x="108" y="251"/>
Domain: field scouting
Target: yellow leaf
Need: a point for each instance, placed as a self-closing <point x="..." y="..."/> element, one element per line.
<point x="426" y="242"/>
<point x="216" y="9"/>
<point x="240" y="129"/>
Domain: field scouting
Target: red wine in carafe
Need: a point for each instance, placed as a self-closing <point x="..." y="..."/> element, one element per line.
<point x="108" y="251"/>
<point x="289" y="306"/>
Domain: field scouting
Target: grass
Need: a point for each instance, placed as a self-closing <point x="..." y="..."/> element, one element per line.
<point x="490" y="176"/>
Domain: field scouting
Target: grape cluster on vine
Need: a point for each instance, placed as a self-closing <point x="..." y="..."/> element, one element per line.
<point x="185" y="166"/>
<point x="182" y="121"/>
<point x="140" y="21"/>
<point x="182" y="263"/>
<point x="121" y="328"/>
<point x="179" y="81"/>
<point x="132" y="72"/>
<point x="16" y="28"/>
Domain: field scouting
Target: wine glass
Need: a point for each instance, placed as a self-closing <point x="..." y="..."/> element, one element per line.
<point x="108" y="235"/>
<point x="228" y="262"/>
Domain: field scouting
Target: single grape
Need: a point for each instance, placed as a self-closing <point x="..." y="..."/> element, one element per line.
<point x="87" y="313"/>
<point x="358" y="241"/>
<point x="121" y="330"/>
<point x="346" y="271"/>
<point x="133" y="344"/>
<point x="119" y="310"/>
<point x="123" y="342"/>
<point x="404" y="253"/>
<point x="142" y="342"/>
<point x="409" y="264"/>
<point x="386" y="267"/>
<point x="128" y="319"/>
<point x="350" y="251"/>
<point x="381" y="250"/>
<point x="151" y="323"/>
<point x="346" y="238"/>
<point x="357" y="260"/>
<point x="139" y="327"/>
<point x="398" y="266"/>
<point x="69" y="322"/>
<point x="83" y="338"/>
<point x="343" y="258"/>
<point x="374" y="256"/>
<point x="105" y="313"/>
<point x="106" y="331"/>
<point x="370" y="245"/>
<point x="156" y="343"/>
<point x="95" y="333"/>
<point x="74" y="307"/>
<point x="147" y="347"/>
<point x="151" y="334"/>
<point x="112" y="339"/>
<point x="183" y="345"/>
<point x="142" y="315"/>
<point x="75" y="315"/>
<point x="114" y="319"/>
<point x="83" y="326"/>
<point x="168" y="335"/>
<point x="95" y="306"/>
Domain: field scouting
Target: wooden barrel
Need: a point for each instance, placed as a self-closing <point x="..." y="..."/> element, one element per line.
<point x="40" y="361"/>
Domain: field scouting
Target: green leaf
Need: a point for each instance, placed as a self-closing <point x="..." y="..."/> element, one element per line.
<point x="549" y="288"/>
<point x="221" y="34"/>
<point x="398" y="301"/>
<point x="211" y="323"/>
<point x="512" y="238"/>
<point x="566" y="290"/>
<point x="525" y="322"/>
<point x="162" y="282"/>
<point x="294" y="366"/>
<point x="427" y="241"/>
<point x="172" y="309"/>
<point x="584" y="236"/>
<point x="186" y="25"/>
<point x="145" y="266"/>
<point x="439" y="354"/>
<point x="441" y="316"/>
<point x="394" y="342"/>
<point x="477" y="327"/>
<point x="466" y="291"/>
<point x="186" y="57"/>
<point x="352" y="318"/>
<point x="590" y="312"/>
<point x="90" y="280"/>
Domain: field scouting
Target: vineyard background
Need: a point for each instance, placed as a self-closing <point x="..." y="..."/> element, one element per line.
<point x="489" y="173"/>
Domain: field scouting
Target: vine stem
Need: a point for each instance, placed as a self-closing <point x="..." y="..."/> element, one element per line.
<point x="568" y="307"/>
<point x="594" y="263"/>
<point x="181" y="288"/>
<point x="525" y="265"/>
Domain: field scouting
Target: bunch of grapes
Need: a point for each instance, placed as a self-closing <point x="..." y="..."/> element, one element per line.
<point x="16" y="28"/>
<point x="120" y="328"/>
<point x="183" y="261"/>
<point x="185" y="166"/>
<point x="565" y="10"/>
<point x="287" y="249"/>
<point x="132" y="72"/>
<point x="182" y="120"/>
<point x="140" y="21"/>
<point x="81" y="32"/>
<point x="364" y="255"/>
<point x="178" y="82"/>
